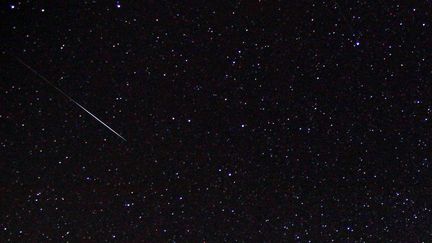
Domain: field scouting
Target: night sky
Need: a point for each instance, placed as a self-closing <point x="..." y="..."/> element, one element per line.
<point x="249" y="121"/>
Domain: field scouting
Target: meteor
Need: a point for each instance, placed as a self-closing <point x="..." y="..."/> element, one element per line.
<point x="68" y="97"/>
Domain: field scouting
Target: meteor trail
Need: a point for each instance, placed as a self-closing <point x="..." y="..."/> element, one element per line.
<point x="68" y="97"/>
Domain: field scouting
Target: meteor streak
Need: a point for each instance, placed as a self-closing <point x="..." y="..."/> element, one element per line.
<point x="68" y="97"/>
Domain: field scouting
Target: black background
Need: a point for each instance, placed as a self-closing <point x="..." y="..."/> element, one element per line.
<point x="245" y="121"/>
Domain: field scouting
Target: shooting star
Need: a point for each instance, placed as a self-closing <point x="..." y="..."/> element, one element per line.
<point x="68" y="97"/>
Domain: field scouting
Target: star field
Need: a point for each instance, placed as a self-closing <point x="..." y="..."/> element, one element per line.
<point x="248" y="121"/>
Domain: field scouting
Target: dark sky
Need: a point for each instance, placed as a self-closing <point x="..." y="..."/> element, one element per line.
<point x="250" y="121"/>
